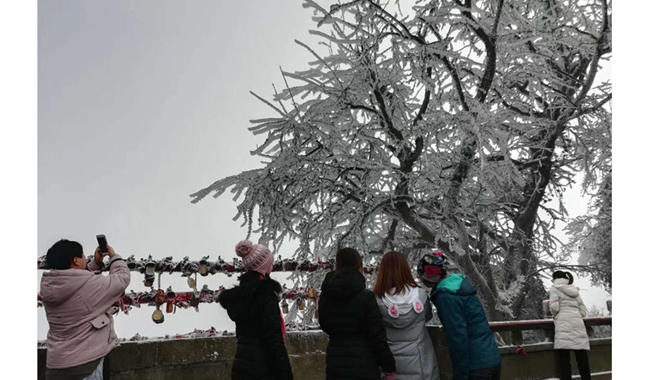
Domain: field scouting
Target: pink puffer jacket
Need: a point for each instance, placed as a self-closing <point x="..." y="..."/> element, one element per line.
<point x="77" y="304"/>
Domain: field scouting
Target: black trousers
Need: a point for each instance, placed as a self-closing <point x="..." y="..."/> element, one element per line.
<point x="582" y="357"/>
<point x="106" y="371"/>
<point x="492" y="373"/>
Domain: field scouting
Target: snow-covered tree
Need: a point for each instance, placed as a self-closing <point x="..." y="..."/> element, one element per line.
<point x="591" y="236"/>
<point x="451" y="125"/>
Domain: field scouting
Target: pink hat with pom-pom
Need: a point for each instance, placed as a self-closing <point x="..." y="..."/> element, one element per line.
<point x="256" y="257"/>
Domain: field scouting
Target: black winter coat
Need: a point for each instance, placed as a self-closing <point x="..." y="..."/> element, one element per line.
<point x="349" y="314"/>
<point x="253" y="306"/>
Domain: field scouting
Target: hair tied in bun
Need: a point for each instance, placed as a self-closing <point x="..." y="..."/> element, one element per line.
<point x="243" y="248"/>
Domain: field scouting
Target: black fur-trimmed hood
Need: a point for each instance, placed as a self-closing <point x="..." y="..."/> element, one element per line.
<point x="251" y="287"/>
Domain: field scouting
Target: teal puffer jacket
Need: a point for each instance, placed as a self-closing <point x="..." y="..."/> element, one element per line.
<point x="471" y="341"/>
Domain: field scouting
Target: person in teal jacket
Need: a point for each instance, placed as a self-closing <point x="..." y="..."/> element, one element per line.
<point x="473" y="350"/>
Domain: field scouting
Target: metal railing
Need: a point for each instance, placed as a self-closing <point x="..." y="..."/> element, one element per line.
<point x="547" y="325"/>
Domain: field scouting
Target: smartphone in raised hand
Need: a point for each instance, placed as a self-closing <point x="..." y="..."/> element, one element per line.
<point x="103" y="244"/>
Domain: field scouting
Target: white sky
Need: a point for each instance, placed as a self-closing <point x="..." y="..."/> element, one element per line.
<point x="142" y="103"/>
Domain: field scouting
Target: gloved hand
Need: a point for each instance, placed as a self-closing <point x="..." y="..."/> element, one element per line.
<point x="389" y="376"/>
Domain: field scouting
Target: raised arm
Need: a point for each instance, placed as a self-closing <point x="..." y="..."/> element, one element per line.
<point x="107" y="289"/>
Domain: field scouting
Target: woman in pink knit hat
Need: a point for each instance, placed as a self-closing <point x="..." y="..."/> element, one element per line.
<point x="253" y="306"/>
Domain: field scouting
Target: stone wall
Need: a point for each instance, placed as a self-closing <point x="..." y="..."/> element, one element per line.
<point x="210" y="358"/>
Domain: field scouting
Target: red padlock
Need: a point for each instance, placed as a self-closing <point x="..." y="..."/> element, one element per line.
<point x="160" y="297"/>
<point x="171" y="302"/>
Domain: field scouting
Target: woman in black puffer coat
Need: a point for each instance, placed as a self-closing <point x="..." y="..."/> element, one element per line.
<point x="349" y="314"/>
<point x="253" y="306"/>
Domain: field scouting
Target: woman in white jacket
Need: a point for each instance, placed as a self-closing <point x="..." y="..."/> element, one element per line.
<point x="570" y="332"/>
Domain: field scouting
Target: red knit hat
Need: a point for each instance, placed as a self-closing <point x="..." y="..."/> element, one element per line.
<point x="256" y="257"/>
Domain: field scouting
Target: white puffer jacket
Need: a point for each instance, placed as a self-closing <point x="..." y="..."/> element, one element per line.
<point x="568" y="310"/>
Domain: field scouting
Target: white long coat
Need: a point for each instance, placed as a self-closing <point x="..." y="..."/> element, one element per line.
<point x="568" y="310"/>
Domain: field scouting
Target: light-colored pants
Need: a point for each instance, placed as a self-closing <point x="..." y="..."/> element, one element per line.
<point x="98" y="374"/>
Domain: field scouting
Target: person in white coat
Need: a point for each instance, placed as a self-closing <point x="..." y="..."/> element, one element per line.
<point x="570" y="332"/>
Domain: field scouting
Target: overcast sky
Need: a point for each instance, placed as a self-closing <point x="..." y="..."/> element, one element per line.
<point x="141" y="103"/>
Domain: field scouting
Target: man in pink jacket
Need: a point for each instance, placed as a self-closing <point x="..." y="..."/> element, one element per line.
<point x="78" y="300"/>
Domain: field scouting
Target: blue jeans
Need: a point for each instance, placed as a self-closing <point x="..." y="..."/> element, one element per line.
<point x="492" y="373"/>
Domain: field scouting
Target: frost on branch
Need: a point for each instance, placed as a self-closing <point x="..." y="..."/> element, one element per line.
<point x="448" y="125"/>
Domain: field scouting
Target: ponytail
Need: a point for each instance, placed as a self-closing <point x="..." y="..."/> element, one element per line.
<point x="564" y="275"/>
